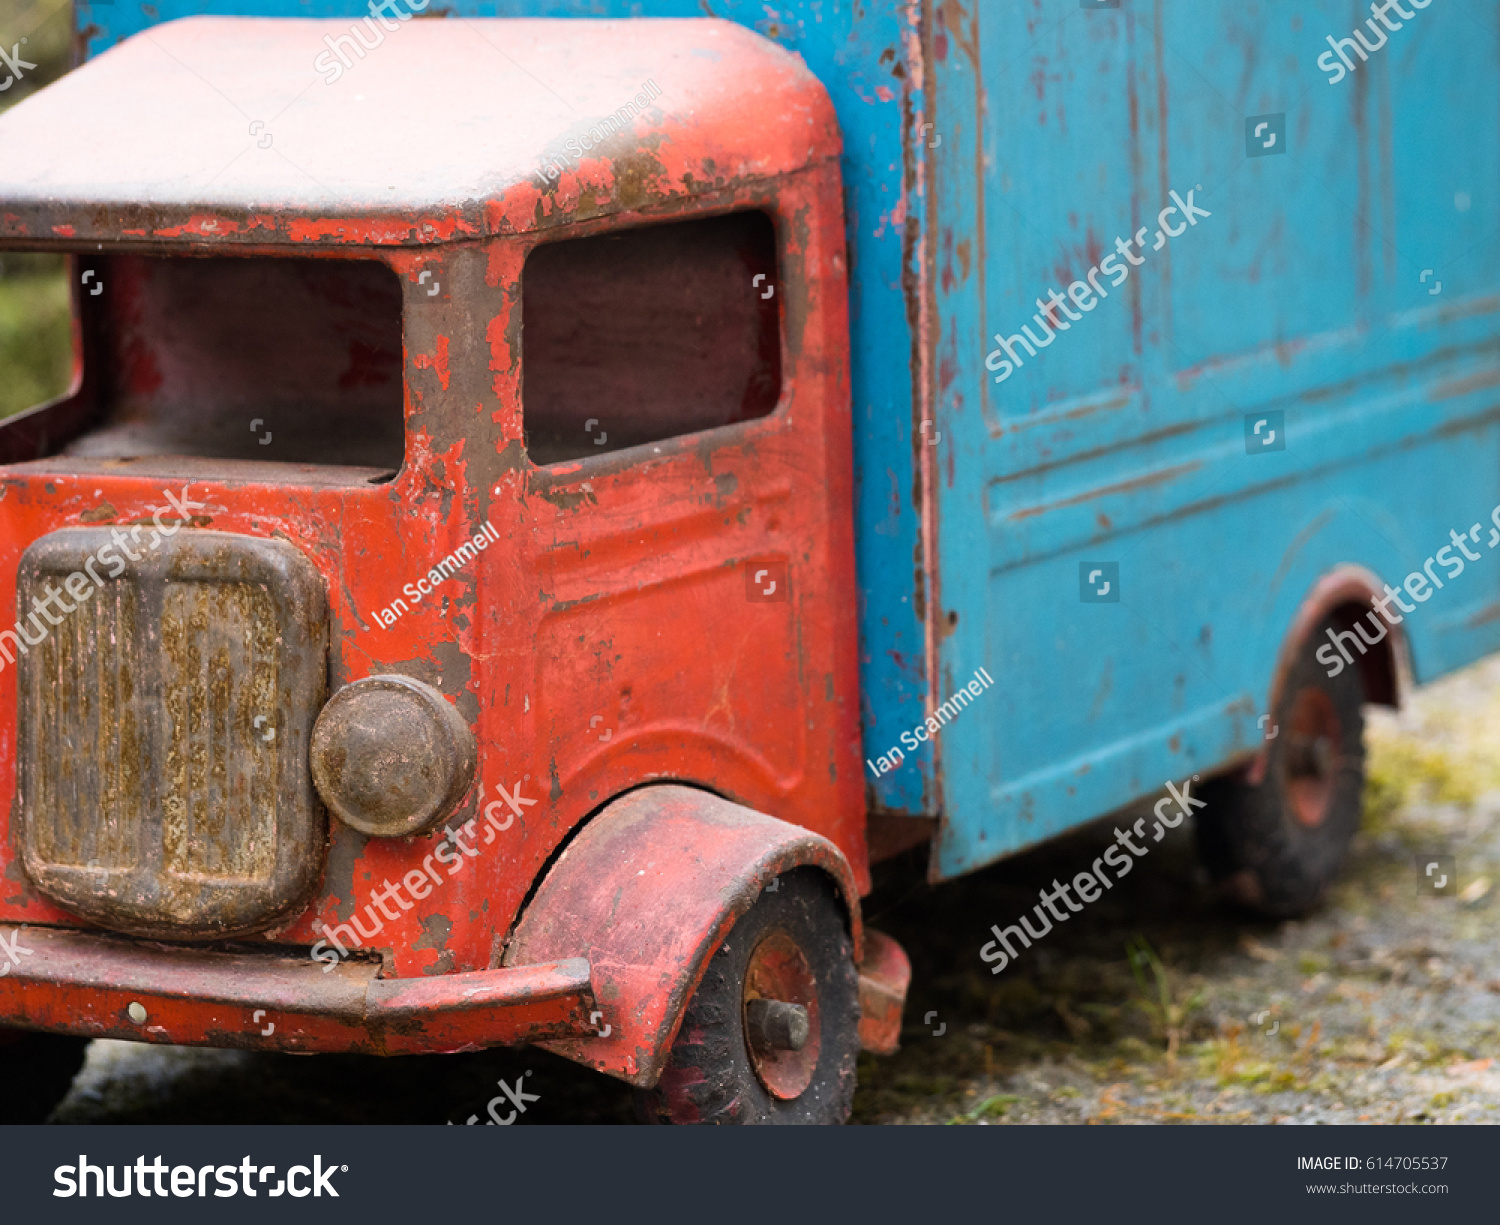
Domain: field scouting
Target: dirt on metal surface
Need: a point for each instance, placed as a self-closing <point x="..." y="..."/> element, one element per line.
<point x="151" y="802"/>
<point x="1383" y="1007"/>
<point x="614" y="635"/>
<point x="647" y="893"/>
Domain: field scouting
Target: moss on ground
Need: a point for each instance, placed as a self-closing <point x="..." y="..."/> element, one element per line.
<point x="1162" y="1004"/>
<point x="1445" y="766"/>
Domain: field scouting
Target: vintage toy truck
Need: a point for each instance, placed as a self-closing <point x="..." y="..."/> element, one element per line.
<point x="544" y="504"/>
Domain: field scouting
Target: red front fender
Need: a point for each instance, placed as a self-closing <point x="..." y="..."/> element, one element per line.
<point x="646" y="892"/>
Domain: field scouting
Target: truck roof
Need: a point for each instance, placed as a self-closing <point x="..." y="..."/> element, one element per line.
<point x="239" y="130"/>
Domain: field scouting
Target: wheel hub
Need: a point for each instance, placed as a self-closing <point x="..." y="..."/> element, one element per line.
<point x="1311" y="757"/>
<point x="780" y="1010"/>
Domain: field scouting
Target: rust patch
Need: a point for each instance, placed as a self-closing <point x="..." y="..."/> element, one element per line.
<point x="436" y="931"/>
<point x="1140" y="482"/>
<point x="1482" y="381"/>
<point x="565" y="499"/>
<point x="955" y="20"/>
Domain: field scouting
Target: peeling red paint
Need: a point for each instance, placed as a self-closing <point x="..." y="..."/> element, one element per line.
<point x="438" y="362"/>
<point x="649" y="918"/>
<point x="594" y="596"/>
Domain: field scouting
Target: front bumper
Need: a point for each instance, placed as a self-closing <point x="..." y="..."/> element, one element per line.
<point x="101" y="986"/>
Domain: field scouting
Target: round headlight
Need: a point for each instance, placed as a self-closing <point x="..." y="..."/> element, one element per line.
<point x="391" y="756"/>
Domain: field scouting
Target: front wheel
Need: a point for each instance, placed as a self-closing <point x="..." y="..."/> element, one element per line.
<point x="1276" y="846"/>
<point x="772" y="1033"/>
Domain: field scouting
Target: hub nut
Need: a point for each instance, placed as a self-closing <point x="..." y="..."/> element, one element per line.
<point x="774" y="1026"/>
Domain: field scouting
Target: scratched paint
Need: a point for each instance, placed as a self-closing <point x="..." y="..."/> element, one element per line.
<point x="1053" y="134"/>
<point x="870" y="60"/>
<point x="617" y="586"/>
<point x="1132" y="449"/>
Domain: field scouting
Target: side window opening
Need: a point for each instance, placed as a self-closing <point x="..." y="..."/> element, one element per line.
<point x="253" y="358"/>
<point x="647" y="334"/>
<point x="36" y="330"/>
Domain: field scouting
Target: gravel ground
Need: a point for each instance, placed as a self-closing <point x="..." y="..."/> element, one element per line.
<point x="1382" y="1008"/>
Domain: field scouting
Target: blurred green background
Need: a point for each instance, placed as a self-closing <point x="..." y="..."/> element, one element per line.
<point x="35" y="329"/>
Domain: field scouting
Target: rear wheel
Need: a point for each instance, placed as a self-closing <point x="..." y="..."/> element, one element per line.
<point x="36" y="1071"/>
<point x="772" y="1033"/>
<point x="1276" y="846"/>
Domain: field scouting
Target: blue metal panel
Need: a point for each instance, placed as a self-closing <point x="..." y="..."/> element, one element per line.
<point x="860" y="52"/>
<point x="1300" y="301"/>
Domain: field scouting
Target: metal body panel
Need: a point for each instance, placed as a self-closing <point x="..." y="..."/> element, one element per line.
<point x="884" y="976"/>
<point x="870" y="59"/>
<point x="1299" y="302"/>
<point x="152" y="160"/>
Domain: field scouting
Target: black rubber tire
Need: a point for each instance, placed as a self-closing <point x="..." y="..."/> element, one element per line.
<point x="709" y="1077"/>
<point x="36" y="1072"/>
<point x="1248" y="837"/>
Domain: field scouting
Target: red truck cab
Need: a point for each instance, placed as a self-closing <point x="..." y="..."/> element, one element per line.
<point x="435" y="597"/>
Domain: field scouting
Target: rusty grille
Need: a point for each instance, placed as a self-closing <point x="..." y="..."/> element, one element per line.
<point x="162" y="733"/>
<point x="220" y="661"/>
